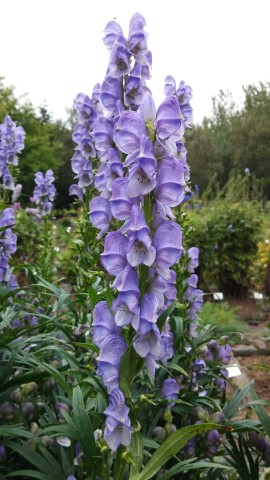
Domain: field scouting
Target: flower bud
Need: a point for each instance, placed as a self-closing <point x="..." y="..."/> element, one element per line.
<point x="27" y="408"/>
<point x="47" y="441"/>
<point x="16" y="396"/>
<point x="7" y="410"/>
<point x="3" y="454"/>
<point x="29" y="388"/>
<point x="34" y="428"/>
<point x="159" y="433"/>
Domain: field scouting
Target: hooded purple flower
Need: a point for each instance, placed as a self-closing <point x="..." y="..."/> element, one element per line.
<point x="167" y="241"/>
<point x="44" y="191"/>
<point x="170" y="182"/>
<point x="117" y="429"/>
<point x="119" y="63"/>
<point x="128" y="131"/>
<point x="114" y="257"/>
<point x="193" y="255"/>
<point x="170" y="389"/>
<point x="100" y="214"/>
<point x="103" y="323"/>
<point x="142" y="170"/>
<point x="110" y="93"/>
<point x="120" y="202"/>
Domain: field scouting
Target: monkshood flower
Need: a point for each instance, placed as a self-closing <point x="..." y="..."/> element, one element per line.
<point x="183" y="94"/>
<point x="8" y="245"/>
<point x="44" y="191"/>
<point x="170" y="390"/>
<point x="11" y="143"/>
<point x="117" y="428"/>
<point x="87" y="111"/>
<point x="194" y="296"/>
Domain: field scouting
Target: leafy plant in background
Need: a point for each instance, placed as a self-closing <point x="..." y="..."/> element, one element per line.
<point x="116" y="379"/>
<point x="224" y="318"/>
<point x="227" y="230"/>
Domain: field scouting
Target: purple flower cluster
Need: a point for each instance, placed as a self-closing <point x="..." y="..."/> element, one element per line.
<point x="44" y="191"/>
<point x="8" y="245"/>
<point x="141" y="178"/>
<point x="11" y="143"/>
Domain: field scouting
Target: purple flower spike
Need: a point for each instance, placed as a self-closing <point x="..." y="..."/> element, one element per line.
<point x="167" y="241"/>
<point x="114" y="257"/>
<point x="103" y="323"/>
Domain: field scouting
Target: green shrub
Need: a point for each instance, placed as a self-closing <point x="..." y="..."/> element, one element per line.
<point x="227" y="235"/>
<point x="224" y="318"/>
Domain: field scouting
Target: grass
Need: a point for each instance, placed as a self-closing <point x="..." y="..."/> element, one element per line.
<point x="224" y="318"/>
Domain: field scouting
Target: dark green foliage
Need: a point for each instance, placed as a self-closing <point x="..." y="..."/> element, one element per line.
<point x="233" y="138"/>
<point x="226" y="233"/>
<point x="48" y="145"/>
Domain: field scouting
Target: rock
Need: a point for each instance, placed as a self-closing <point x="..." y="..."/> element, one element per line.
<point x="244" y="350"/>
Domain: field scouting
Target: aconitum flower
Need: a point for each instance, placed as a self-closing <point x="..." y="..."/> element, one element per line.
<point x="8" y="245"/>
<point x="44" y="191"/>
<point x="170" y="389"/>
<point x="11" y="143"/>
<point x="117" y="428"/>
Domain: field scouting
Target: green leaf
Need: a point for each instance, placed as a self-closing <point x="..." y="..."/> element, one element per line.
<point x="163" y="317"/>
<point x="232" y="406"/>
<point x="50" y="467"/>
<point x="28" y="473"/>
<point x="261" y="412"/>
<point x="175" y="442"/>
<point x="130" y="366"/>
<point x="93" y="297"/>
<point x="184" y="466"/>
<point x="83" y="426"/>
<point x="136" y="450"/>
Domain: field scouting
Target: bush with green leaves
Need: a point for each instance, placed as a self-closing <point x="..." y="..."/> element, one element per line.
<point x="227" y="234"/>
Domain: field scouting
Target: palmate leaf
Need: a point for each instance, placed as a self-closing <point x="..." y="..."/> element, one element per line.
<point x="175" y="442"/>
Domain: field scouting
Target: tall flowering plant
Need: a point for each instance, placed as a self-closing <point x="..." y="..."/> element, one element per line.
<point x="11" y="144"/>
<point x="134" y="155"/>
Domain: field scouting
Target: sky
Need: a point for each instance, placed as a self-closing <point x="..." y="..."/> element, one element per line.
<point x="53" y="49"/>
